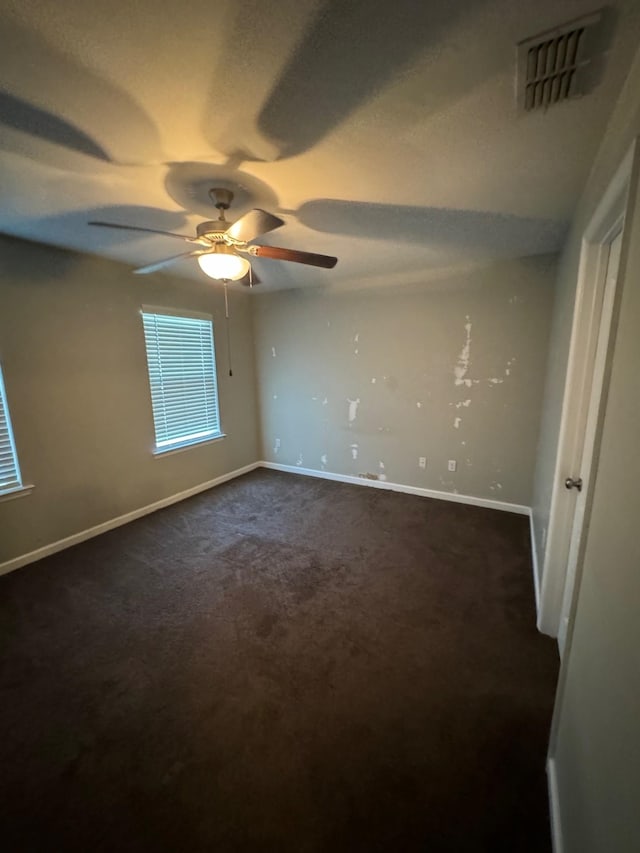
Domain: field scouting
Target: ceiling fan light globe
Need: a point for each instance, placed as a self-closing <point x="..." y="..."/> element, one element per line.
<point x="223" y="266"/>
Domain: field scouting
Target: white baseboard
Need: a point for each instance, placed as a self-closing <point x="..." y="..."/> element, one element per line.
<point x="534" y="560"/>
<point x="399" y="487"/>
<point x="76" y="538"/>
<point x="554" y="807"/>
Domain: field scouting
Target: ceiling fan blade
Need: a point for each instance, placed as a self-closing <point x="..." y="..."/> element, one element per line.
<point x="146" y="231"/>
<point x="253" y="224"/>
<point x="167" y="261"/>
<point x="279" y="254"/>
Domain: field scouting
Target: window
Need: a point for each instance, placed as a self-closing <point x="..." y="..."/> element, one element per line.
<point x="10" y="479"/>
<point x="182" y="377"/>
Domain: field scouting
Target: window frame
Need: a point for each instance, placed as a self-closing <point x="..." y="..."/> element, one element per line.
<point x="164" y="446"/>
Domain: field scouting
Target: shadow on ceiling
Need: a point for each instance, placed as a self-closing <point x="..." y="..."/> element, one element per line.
<point x="44" y="77"/>
<point x="350" y="52"/>
<point x="93" y="239"/>
<point x="435" y="227"/>
<point x="38" y="122"/>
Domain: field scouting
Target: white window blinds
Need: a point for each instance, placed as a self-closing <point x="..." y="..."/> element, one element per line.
<point x="182" y="377"/>
<point x="9" y="468"/>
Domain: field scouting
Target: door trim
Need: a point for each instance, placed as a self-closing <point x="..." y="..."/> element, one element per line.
<point x="606" y="218"/>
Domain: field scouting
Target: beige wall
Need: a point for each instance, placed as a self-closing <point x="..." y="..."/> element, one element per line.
<point x="596" y="742"/>
<point x="72" y="352"/>
<point x="450" y="370"/>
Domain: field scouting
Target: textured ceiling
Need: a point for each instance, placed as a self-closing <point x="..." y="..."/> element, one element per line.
<point x="384" y="133"/>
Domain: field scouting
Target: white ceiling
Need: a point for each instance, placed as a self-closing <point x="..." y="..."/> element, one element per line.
<point x="384" y="133"/>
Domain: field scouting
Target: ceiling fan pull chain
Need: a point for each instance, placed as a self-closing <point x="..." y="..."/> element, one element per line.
<point x="226" y="316"/>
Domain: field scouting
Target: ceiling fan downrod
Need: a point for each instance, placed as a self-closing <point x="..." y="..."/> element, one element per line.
<point x="221" y="198"/>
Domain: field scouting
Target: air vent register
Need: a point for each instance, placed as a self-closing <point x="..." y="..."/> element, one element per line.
<point x="554" y="66"/>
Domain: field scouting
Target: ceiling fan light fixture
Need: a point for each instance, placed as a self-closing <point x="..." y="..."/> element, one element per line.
<point x="224" y="264"/>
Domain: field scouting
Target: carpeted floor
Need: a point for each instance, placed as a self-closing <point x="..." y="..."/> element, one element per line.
<point x="281" y="664"/>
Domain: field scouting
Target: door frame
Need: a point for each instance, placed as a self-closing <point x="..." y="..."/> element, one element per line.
<point x="597" y="395"/>
<point x="608" y="215"/>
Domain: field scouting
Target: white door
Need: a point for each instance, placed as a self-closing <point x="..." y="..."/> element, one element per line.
<point x="581" y="480"/>
<point x="574" y="453"/>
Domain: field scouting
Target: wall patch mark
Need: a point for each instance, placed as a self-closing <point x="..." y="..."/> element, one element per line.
<point x="464" y="359"/>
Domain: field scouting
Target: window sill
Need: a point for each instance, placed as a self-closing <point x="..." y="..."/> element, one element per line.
<point x="159" y="452"/>
<point x="18" y="492"/>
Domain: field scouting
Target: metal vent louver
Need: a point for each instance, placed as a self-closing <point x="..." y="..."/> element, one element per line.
<point x="552" y="66"/>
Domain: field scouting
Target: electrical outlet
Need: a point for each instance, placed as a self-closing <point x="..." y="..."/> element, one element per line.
<point x="422" y="461"/>
<point x="452" y="465"/>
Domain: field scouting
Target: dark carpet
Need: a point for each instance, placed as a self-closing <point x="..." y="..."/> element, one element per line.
<point x="279" y="664"/>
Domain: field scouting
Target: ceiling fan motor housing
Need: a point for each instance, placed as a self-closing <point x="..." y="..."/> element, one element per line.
<point x="213" y="229"/>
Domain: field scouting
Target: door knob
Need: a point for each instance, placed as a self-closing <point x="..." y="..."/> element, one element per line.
<point x="571" y="483"/>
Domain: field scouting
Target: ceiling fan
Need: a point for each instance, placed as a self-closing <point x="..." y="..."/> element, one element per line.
<point x="222" y="246"/>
